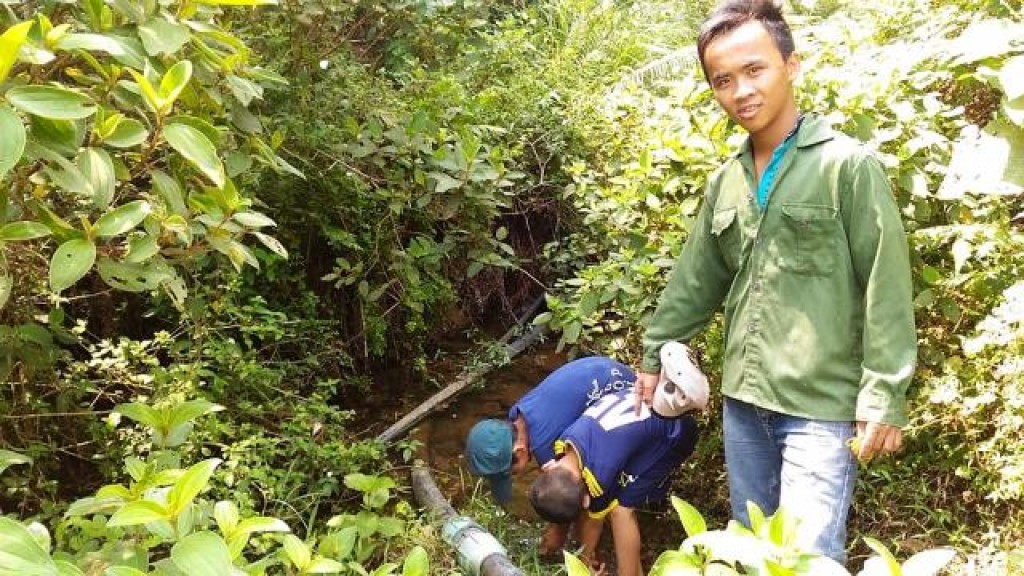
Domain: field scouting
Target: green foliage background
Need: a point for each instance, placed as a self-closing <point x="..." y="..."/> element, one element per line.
<point x="427" y="168"/>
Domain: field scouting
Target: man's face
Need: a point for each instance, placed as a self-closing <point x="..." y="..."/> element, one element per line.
<point x="520" y="456"/>
<point x="749" y="77"/>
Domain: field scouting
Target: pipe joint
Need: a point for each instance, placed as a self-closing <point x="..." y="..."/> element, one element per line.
<point x="472" y="542"/>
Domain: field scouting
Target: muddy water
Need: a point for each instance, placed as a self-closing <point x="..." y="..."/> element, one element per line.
<point x="444" y="434"/>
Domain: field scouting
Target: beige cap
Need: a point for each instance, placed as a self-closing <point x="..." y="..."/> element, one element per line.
<point x="682" y="386"/>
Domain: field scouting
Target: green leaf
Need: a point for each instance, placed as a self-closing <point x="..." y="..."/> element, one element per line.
<point x="253" y="219"/>
<point x="98" y="169"/>
<point x="444" y="182"/>
<point x="138" y="512"/>
<point x="197" y="149"/>
<point x="122" y="219"/>
<point x="890" y="561"/>
<point x="173" y="82"/>
<point x="189" y="411"/>
<point x="188" y="486"/>
<point x="417" y="563"/>
<point x="70" y="262"/>
<point x="202" y="554"/>
<point x="676" y="563"/>
<point x="262" y="524"/>
<point x="12" y="139"/>
<point x="133" y="277"/>
<point x="65" y="568"/>
<point x="225" y="513"/>
<point x="142" y="413"/>
<point x="141" y="249"/>
<point x="23" y="230"/>
<point x="128" y="134"/>
<point x="271" y="243"/>
<point x="169" y="189"/>
<point x="20" y="553"/>
<point x="162" y="37"/>
<point x="10" y="45"/>
<point x="297" y="551"/>
<point x="9" y="458"/>
<point x="245" y="91"/>
<point x="62" y="137"/>
<point x="322" y="565"/>
<point x="691" y="519"/>
<point x="90" y="42"/>
<point x="757" y="520"/>
<point x="51" y="102"/>
<point x="148" y="92"/>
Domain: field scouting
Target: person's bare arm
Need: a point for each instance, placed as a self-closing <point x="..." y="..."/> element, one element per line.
<point x="626" y="533"/>
<point x="588" y="532"/>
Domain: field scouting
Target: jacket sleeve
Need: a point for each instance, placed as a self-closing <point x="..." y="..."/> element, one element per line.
<point x="696" y="287"/>
<point x="881" y="263"/>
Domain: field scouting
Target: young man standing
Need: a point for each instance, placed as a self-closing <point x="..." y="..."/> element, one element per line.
<point x="801" y="240"/>
<point x="610" y="462"/>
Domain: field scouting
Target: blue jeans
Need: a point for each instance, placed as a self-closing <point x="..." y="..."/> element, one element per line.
<point x="801" y="465"/>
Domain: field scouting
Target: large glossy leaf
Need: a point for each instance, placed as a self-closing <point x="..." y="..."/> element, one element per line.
<point x="10" y="43"/>
<point x="128" y="134"/>
<point x="23" y="230"/>
<point x="20" y="553"/>
<point x="97" y="167"/>
<point x="202" y="554"/>
<point x="12" y="139"/>
<point x="70" y="262"/>
<point x="197" y="149"/>
<point x="51" y="102"/>
<point x="162" y="37"/>
<point x="122" y="219"/>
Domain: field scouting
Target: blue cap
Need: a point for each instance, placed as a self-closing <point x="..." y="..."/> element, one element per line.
<point x="489" y="454"/>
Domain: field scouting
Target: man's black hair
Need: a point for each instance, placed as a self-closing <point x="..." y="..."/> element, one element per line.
<point x="731" y="14"/>
<point x="557" y="496"/>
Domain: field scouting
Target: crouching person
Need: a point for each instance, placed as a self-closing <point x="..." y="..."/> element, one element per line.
<point x="613" y="460"/>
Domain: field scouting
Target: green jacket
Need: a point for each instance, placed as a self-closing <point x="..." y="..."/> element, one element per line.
<point x="817" y="291"/>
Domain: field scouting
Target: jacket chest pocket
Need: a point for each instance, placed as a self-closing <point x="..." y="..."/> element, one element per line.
<point x="807" y="239"/>
<point x="726" y="230"/>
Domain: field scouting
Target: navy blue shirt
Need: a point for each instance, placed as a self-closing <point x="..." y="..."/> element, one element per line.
<point x="627" y="458"/>
<point x="560" y="398"/>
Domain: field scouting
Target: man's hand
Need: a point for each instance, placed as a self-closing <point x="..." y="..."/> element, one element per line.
<point x="646" y="382"/>
<point x="553" y="540"/>
<point x="876" y="439"/>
